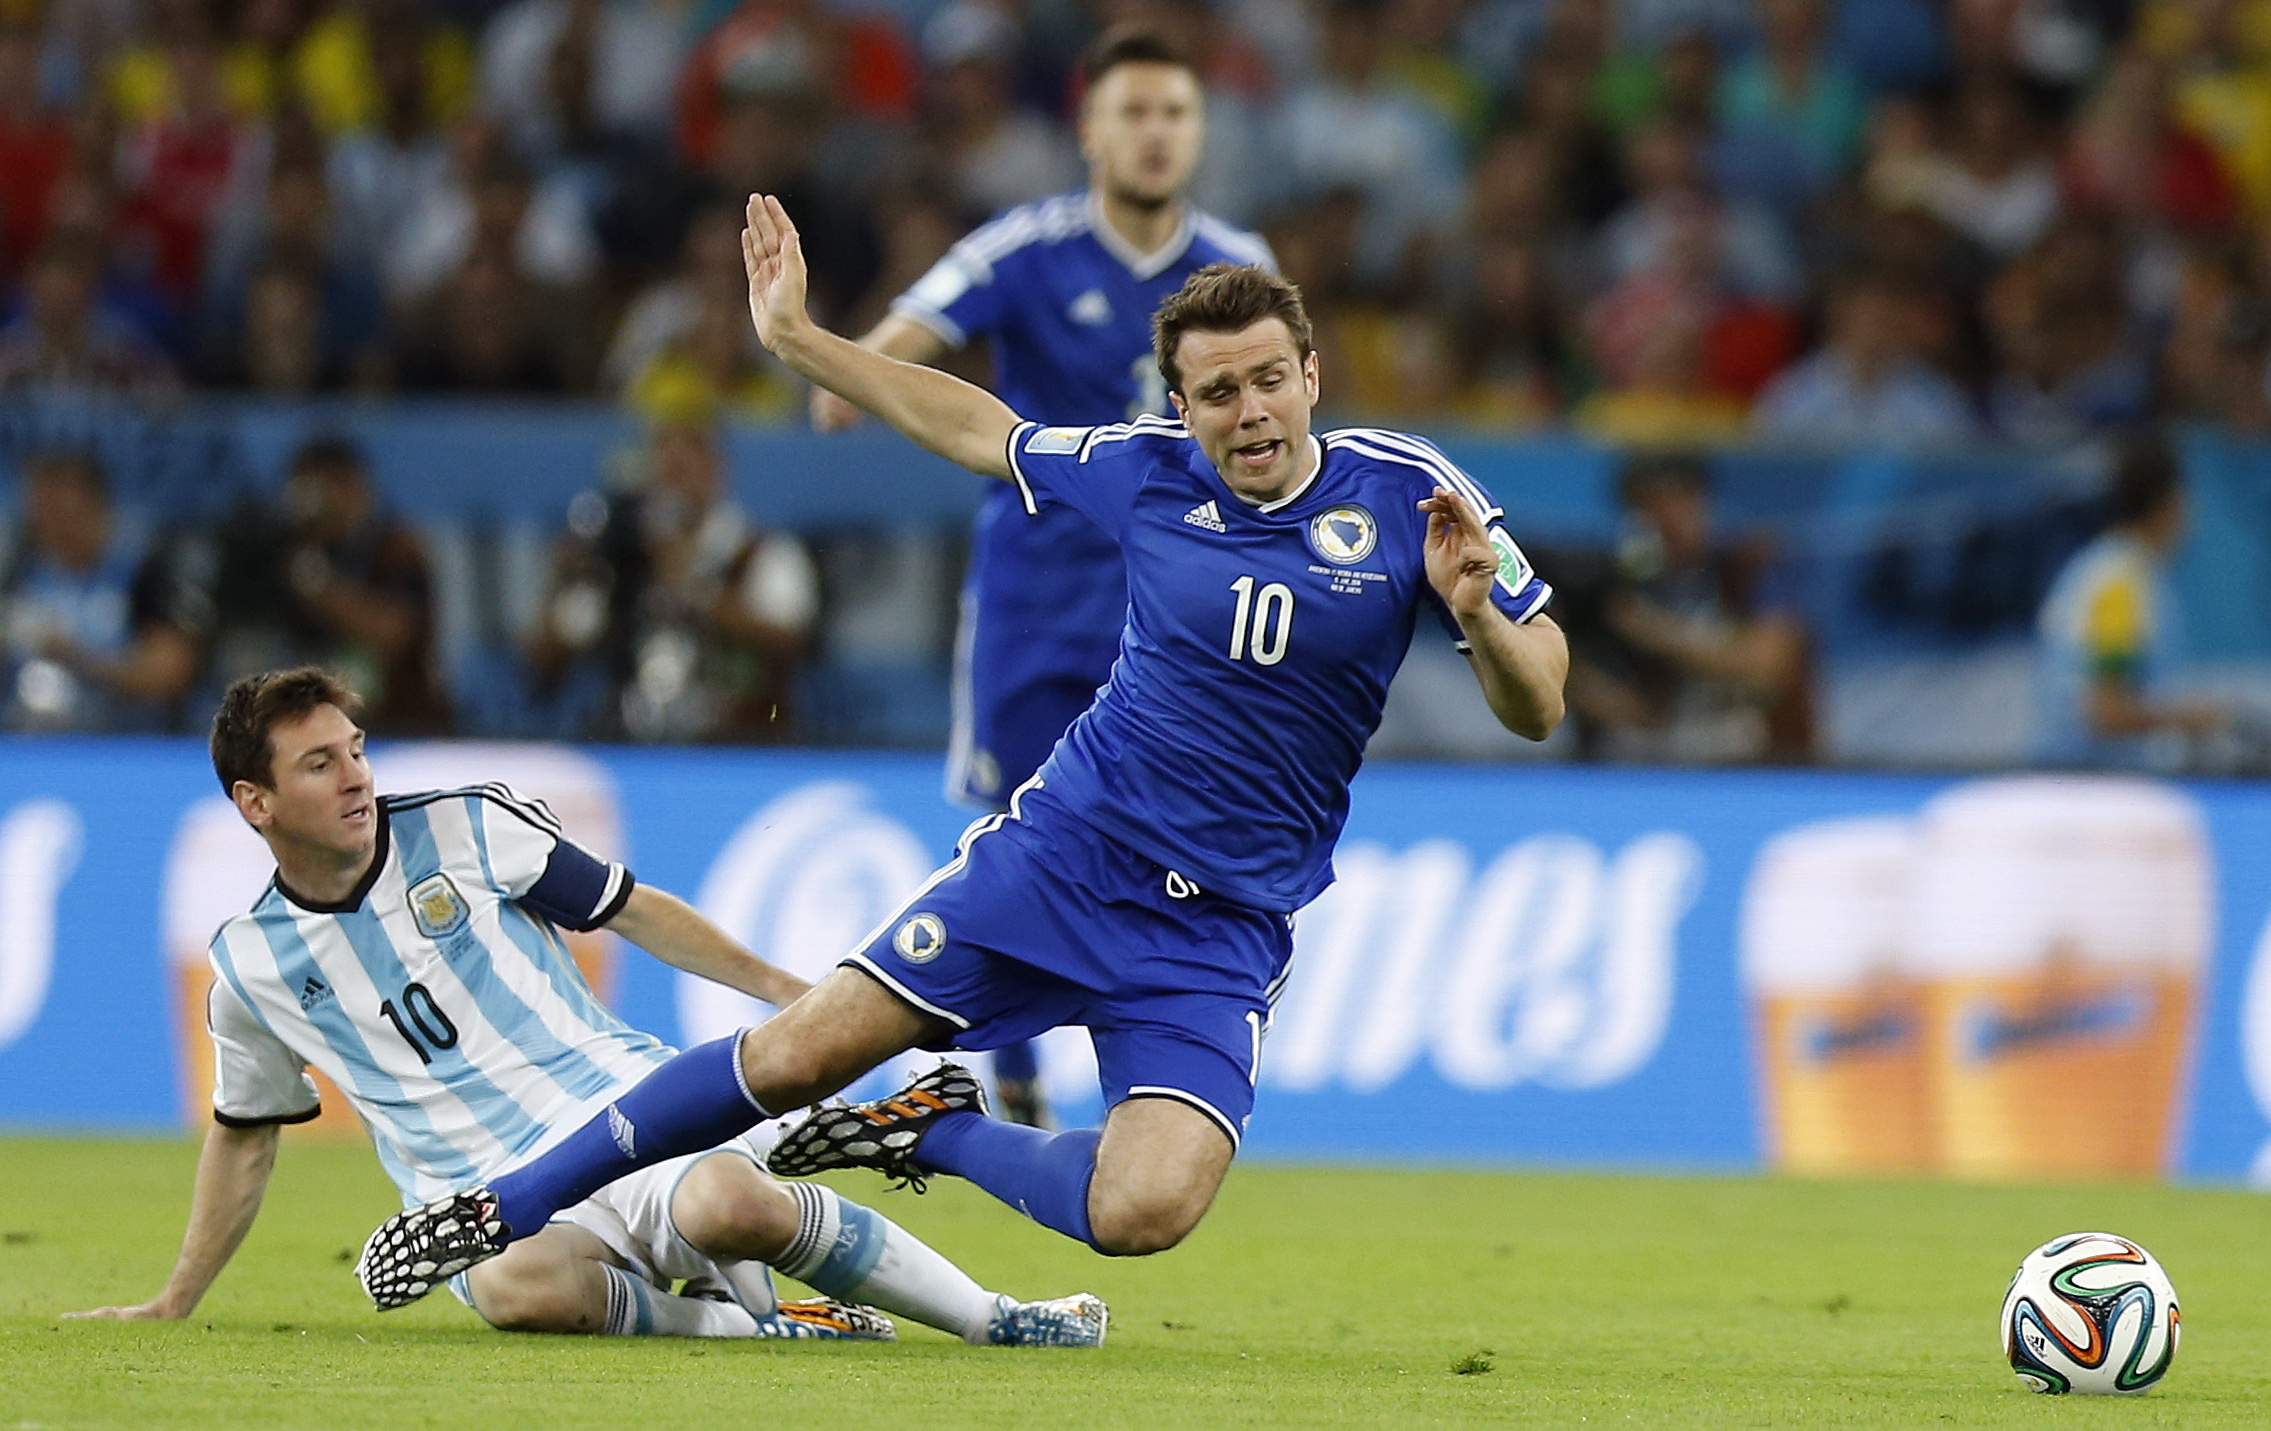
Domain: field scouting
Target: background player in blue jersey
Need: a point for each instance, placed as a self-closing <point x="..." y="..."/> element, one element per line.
<point x="1143" y="883"/>
<point x="408" y="947"/>
<point x="1064" y="291"/>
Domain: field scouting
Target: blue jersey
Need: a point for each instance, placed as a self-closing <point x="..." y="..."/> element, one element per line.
<point x="1259" y="645"/>
<point x="1066" y="306"/>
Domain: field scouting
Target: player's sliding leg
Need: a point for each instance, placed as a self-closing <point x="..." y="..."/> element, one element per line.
<point x="729" y="1211"/>
<point x="1138" y="1187"/>
<point x="566" y="1279"/>
<point x="706" y="1095"/>
<point x="701" y="1098"/>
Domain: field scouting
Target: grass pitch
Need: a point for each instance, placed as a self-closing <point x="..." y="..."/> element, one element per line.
<point x="1309" y="1298"/>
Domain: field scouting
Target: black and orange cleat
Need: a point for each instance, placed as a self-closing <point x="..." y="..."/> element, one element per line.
<point x="825" y="1319"/>
<point x="881" y="1135"/>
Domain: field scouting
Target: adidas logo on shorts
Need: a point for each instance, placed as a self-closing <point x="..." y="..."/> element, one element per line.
<point x="1206" y="515"/>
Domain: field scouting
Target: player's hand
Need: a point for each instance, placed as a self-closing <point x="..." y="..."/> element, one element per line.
<point x="831" y="413"/>
<point x="774" y="260"/>
<point x="155" y="1310"/>
<point x="1461" y="562"/>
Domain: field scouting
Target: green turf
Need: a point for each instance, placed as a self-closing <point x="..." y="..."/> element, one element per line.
<point x="1309" y="1298"/>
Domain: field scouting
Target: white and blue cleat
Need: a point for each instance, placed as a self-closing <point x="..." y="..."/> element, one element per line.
<point x="1075" y="1321"/>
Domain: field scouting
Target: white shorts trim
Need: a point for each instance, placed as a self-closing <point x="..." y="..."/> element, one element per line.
<point x="1152" y="1090"/>
<point x="869" y="967"/>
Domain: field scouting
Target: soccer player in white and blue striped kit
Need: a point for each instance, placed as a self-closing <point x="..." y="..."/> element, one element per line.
<point x="409" y="948"/>
<point x="1143" y="883"/>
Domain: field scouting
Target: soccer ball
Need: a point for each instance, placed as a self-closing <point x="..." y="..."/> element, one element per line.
<point x="2090" y="1312"/>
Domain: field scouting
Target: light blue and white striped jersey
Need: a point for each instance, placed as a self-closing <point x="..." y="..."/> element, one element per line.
<point x="439" y="995"/>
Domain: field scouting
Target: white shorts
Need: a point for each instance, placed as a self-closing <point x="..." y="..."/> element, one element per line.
<point x="632" y="1216"/>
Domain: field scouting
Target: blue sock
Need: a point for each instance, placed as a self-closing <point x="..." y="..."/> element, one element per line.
<point x="1017" y="1062"/>
<point x="695" y="1101"/>
<point x="1043" y="1175"/>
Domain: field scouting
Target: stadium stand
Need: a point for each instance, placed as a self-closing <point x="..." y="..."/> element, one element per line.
<point x="1904" y="271"/>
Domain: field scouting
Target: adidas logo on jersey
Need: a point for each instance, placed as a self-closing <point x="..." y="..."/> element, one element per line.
<point x="313" y="992"/>
<point x="1205" y="515"/>
<point x="1092" y="308"/>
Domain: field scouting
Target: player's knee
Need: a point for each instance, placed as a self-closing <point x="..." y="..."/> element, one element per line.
<point x="727" y="1209"/>
<point x="548" y="1299"/>
<point x="1136" y="1222"/>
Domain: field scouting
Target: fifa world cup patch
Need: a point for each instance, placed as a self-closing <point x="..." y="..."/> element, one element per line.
<point x="1514" y="570"/>
<point x="1046" y="440"/>
<point x="436" y="906"/>
<point x="920" y="938"/>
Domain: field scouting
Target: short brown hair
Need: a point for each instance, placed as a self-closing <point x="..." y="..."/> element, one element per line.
<point x="256" y="705"/>
<point x="1128" y="45"/>
<point x="1226" y="298"/>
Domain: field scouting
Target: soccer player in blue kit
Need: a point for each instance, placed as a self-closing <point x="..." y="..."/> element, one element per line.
<point x="1064" y="290"/>
<point x="1143" y="883"/>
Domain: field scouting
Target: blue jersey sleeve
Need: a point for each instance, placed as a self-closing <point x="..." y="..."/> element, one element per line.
<point x="1518" y="591"/>
<point x="965" y="294"/>
<point x="1096" y="471"/>
<point x="958" y="299"/>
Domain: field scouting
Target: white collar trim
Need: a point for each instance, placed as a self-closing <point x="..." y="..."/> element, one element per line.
<point x="1142" y="265"/>
<point x="1316" y="470"/>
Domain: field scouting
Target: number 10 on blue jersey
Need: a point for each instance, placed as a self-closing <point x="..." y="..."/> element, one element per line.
<point x="1272" y="616"/>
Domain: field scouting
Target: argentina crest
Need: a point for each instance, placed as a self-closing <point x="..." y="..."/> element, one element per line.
<point x="436" y="906"/>
<point x="1344" y="535"/>
<point x="920" y="938"/>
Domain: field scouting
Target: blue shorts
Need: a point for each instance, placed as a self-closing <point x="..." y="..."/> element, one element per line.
<point x="1042" y="609"/>
<point x="1040" y="920"/>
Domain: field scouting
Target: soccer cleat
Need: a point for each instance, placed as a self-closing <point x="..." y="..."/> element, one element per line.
<point x="419" y="1248"/>
<point x="827" y="1320"/>
<point x="881" y="1135"/>
<point x="1075" y="1321"/>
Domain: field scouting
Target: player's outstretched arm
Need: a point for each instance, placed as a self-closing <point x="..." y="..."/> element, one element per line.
<point x="897" y="336"/>
<point x="679" y="935"/>
<point x="232" y="1178"/>
<point x="963" y="424"/>
<point x="1522" y="667"/>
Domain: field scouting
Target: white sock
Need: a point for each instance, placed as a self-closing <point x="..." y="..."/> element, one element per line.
<point x="635" y="1309"/>
<point x="856" y="1254"/>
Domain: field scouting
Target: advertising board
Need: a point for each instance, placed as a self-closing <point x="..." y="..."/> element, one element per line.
<point x="2004" y="977"/>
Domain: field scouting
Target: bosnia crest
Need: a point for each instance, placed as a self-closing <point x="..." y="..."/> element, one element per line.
<point x="920" y="938"/>
<point x="1344" y="536"/>
<point x="436" y="906"/>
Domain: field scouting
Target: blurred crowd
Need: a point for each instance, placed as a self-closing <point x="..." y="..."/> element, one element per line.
<point x="1666" y="224"/>
<point x="1907" y="222"/>
<point x="662" y="613"/>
